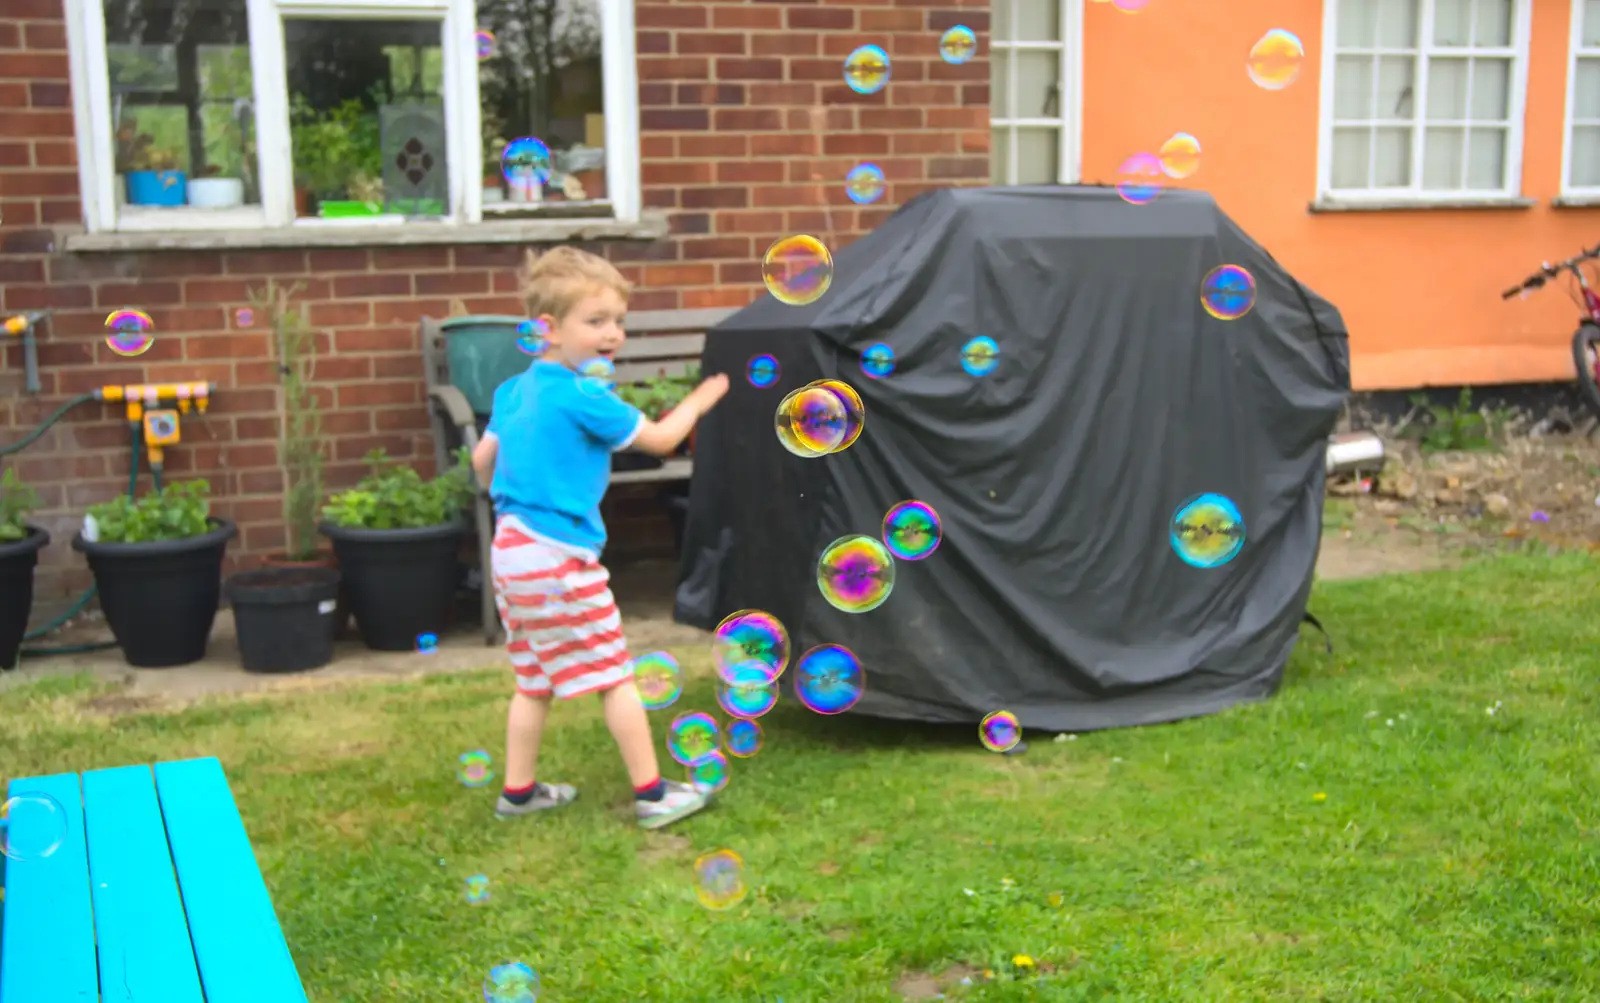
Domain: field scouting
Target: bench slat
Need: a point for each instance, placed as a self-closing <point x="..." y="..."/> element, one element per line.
<point x="662" y="346"/>
<point x="670" y="321"/>
<point x="237" y="940"/>
<point x="47" y="945"/>
<point x="142" y="936"/>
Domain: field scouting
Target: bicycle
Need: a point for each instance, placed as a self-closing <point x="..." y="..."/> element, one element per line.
<point x="1586" y="339"/>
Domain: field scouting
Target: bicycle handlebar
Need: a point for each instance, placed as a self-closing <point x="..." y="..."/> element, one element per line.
<point x="1549" y="272"/>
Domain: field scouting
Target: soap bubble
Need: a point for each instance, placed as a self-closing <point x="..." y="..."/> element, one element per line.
<point x="657" y="679"/>
<point x="472" y="769"/>
<point x="763" y="371"/>
<point x="797" y="270"/>
<point x="244" y="317"/>
<point x="511" y="982"/>
<point x="597" y="376"/>
<point x="911" y="530"/>
<point x="855" y="574"/>
<point x="1275" y="60"/>
<point x="744" y="738"/>
<point x="132" y="332"/>
<point x="750" y="636"/>
<point x="478" y="889"/>
<point x="864" y="184"/>
<point x="866" y="69"/>
<point x="1207" y="531"/>
<point x="1140" y="179"/>
<point x="533" y="336"/>
<point x="855" y="411"/>
<point x="484" y="41"/>
<point x="710" y="775"/>
<point x="828" y="679"/>
<point x="999" y="731"/>
<point x="692" y="737"/>
<point x="980" y="356"/>
<point x="1180" y="156"/>
<point x="32" y="826"/>
<point x="1228" y="292"/>
<point x="958" y="45"/>
<point x="427" y="644"/>
<point x="748" y="692"/>
<point x="877" y="361"/>
<point x="525" y="162"/>
<point x="811" y="421"/>
<point x="719" y="879"/>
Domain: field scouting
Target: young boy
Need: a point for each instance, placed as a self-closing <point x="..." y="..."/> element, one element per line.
<point x="548" y="449"/>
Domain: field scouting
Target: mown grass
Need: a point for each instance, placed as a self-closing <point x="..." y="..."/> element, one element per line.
<point x="1454" y="856"/>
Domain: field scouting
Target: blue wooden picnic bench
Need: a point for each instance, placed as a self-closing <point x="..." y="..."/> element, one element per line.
<point x="154" y="896"/>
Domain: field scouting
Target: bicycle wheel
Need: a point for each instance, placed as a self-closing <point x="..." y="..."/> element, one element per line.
<point x="1586" y="359"/>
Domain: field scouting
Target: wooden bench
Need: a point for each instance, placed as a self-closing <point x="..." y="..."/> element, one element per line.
<point x="154" y="896"/>
<point x="660" y="343"/>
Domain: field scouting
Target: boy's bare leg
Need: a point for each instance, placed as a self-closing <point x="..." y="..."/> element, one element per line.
<point x="524" y="728"/>
<point x="630" y="726"/>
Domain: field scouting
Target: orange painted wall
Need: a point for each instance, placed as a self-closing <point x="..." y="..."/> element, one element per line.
<point x="1419" y="290"/>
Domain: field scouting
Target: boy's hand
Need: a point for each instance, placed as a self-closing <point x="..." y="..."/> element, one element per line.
<point x="712" y="390"/>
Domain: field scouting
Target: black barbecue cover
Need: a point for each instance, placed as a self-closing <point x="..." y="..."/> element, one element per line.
<point x="1058" y="592"/>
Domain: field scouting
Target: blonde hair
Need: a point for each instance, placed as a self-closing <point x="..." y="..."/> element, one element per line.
<point x="554" y="282"/>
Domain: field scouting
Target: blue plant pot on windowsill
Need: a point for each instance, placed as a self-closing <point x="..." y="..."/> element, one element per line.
<point x="166" y="188"/>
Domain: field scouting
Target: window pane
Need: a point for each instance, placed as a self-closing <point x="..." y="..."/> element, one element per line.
<point x="1039" y="21"/>
<point x="1452" y="22"/>
<point x="1352" y="151"/>
<point x="1486" y="159"/>
<point x="1397" y="24"/>
<point x="1000" y="20"/>
<point x="539" y="75"/>
<point x="1352" y="88"/>
<point x="1447" y="89"/>
<point x="1396" y="88"/>
<point x="1491" y="90"/>
<point x="1038" y="84"/>
<point x="367" y="125"/>
<point x="1038" y="156"/>
<point x="1392" y="158"/>
<point x="1586" y="157"/>
<point x="1591" y="23"/>
<point x="999" y="154"/>
<point x="1586" y="88"/>
<point x="1000" y="104"/>
<point x="1492" y="24"/>
<point x="182" y="103"/>
<point x="1358" y="24"/>
<point x="1444" y="158"/>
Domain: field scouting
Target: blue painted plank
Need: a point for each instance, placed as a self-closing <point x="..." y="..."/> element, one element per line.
<point x="237" y="941"/>
<point x="140" y="930"/>
<point x="47" y="944"/>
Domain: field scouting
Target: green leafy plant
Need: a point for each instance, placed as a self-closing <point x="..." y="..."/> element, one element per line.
<point x="659" y="394"/>
<point x="393" y="496"/>
<point x="1457" y="427"/>
<point x="330" y="148"/>
<point x="176" y="512"/>
<point x="17" y="502"/>
<point x="300" y="444"/>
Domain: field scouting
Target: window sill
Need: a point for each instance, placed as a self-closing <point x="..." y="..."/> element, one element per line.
<point x="651" y="226"/>
<point x="1401" y="203"/>
<point x="1575" y="202"/>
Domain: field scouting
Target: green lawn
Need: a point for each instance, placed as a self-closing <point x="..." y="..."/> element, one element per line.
<point x="1454" y="856"/>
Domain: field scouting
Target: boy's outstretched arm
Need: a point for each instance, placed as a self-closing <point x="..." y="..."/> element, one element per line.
<point x="483" y="457"/>
<point x="662" y="438"/>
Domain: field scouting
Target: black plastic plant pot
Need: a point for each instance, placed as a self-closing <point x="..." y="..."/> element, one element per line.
<point x="284" y="617"/>
<point x="401" y="582"/>
<point x="160" y="598"/>
<point x="17" y="561"/>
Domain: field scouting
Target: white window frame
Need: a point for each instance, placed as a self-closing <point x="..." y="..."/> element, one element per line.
<point x="1069" y="120"/>
<point x="91" y="100"/>
<point x="1575" y="51"/>
<point x="1415" y="194"/>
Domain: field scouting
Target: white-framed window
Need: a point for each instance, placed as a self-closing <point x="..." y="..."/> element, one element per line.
<point x="259" y="114"/>
<point x="1035" y="91"/>
<point x="1422" y="100"/>
<point x="1580" y="170"/>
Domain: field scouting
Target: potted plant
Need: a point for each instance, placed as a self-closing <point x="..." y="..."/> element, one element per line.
<point x="655" y="397"/>
<point x="150" y="174"/>
<point x="20" y="543"/>
<point x="157" y="564"/>
<point x="330" y="149"/>
<point x="288" y="612"/>
<point x="397" y="537"/>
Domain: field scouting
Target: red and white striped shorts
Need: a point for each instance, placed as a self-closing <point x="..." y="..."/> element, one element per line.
<point x="563" y="630"/>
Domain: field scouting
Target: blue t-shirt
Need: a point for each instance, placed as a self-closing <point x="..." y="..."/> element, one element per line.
<point x="554" y="460"/>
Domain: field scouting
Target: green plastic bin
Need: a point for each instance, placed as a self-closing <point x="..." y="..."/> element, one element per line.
<point x="482" y="353"/>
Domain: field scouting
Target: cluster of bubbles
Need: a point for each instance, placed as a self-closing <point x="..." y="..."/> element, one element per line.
<point x="129" y="332"/>
<point x="822" y="417"/>
<point x="32" y="826"/>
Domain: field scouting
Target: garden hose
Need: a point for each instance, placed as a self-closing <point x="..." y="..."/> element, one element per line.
<point x="33" y="436"/>
<point x="83" y="600"/>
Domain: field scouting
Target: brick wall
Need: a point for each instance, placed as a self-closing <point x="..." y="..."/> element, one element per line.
<point x="747" y="131"/>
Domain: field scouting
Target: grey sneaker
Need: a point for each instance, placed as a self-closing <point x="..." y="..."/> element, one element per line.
<point x="680" y="801"/>
<point x="545" y="797"/>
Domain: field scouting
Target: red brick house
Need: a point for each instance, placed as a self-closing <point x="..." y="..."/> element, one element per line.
<point x="699" y="132"/>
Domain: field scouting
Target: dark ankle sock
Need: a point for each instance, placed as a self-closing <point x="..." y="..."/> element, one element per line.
<point x="520" y="795"/>
<point x="653" y="791"/>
